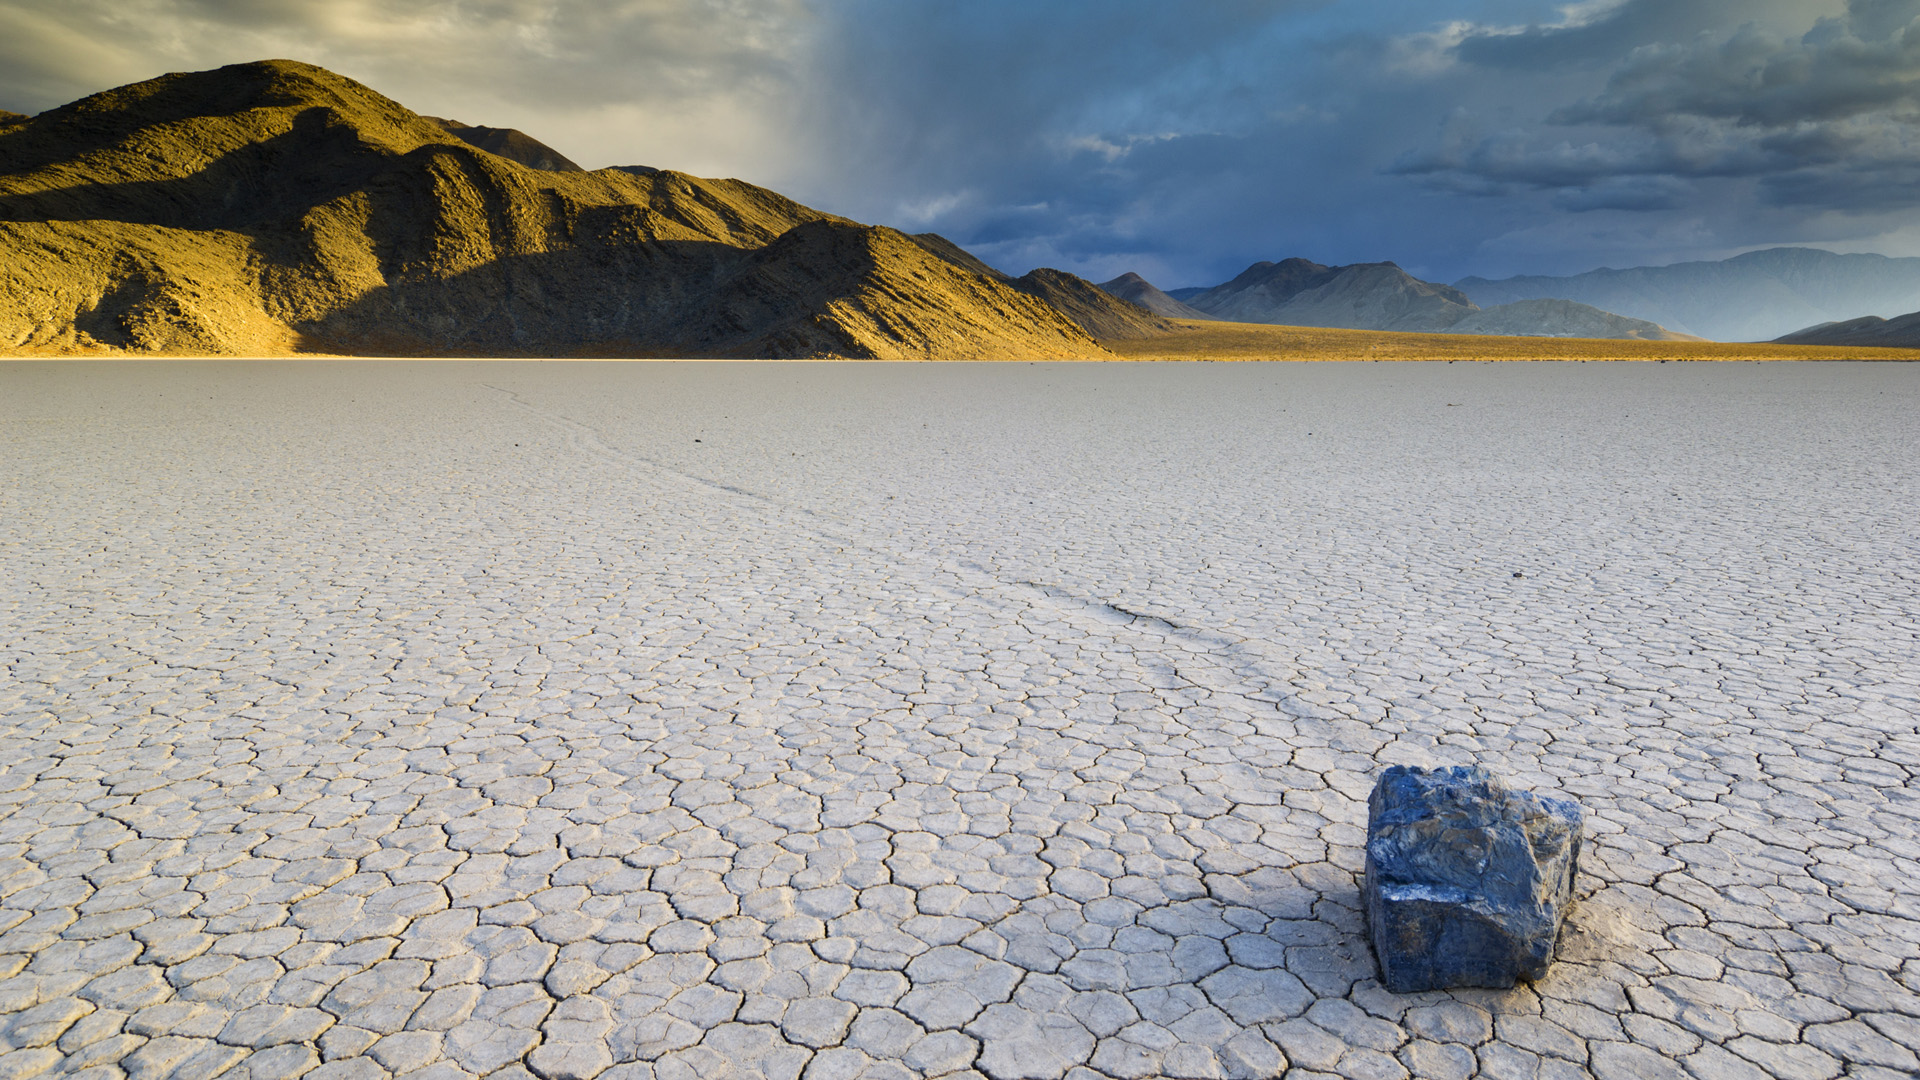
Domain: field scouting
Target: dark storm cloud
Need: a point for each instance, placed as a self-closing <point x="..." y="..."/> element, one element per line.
<point x="1636" y="193"/>
<point x="1826" y="118"/>
<point x="1181" y="140"/>
<point x="1885" y="187"/>
<point x="1755" y="79"/>
<point x="1125" y="135"/>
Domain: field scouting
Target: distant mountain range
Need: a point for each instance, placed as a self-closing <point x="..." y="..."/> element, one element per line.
<point x="277" y="207"/>
<point x="1902" y="332"/>
<point x="1379" y="296"/>
<point x="1369" y="296"/>
<point x="1753" y="297"/>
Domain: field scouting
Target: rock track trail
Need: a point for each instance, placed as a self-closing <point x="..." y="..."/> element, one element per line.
<point x="443" y="720"/>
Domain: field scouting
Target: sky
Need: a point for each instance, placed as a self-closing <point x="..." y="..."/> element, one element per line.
<point x="1183" y="141"/>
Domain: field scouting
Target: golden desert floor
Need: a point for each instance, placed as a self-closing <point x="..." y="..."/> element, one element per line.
<point x="1258" y="341"/>
<point x="1213" y="341"/>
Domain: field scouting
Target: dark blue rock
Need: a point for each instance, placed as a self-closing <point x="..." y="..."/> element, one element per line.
<point x="1467" y="882"/>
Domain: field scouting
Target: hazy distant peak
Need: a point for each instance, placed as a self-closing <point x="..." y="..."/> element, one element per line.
<point x="1800" y="256"/>
<point x="1872" y="331"/>
<point x="1374" y="296"/>
<point x="1279" y="281"/>
<point x="1382" y="296"/>
<point x="1562" y="319"/>
<point x="1390" y="274"/>
<point x="1756" y="296"/>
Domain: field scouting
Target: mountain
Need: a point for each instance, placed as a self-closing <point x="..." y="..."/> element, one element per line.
<point x="1381" y="296"/>
<point x="1135" y="289"/>
<point x="957" y="255"/>
<point x="1902" y="332"/>
<point x="1367" y="296"/>
<point x="1561" y="318"/>
<point x="1091" y="307"/>
<point x="7" y="118"/>
<point x="1752" y="297"/>
<point x="510" y="144"/>
<point x="1189" y="292"/>
<point x="1096" y="311"/>
<point x="276" y="207"/>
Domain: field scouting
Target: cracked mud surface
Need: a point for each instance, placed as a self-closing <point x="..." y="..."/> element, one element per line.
<point x="447" y="720"/>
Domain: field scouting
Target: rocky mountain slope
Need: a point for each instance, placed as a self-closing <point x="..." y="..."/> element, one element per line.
<point x="511" y="144"/>
<point x="957" y="255"/>
<point x="1099" y="313"/>
<point x="1381" y="296"/>
<point x="1753" y="297"/>
<point x="275" y="207"/>
<point x="1901" y="332"/>
<point x="1135" y="289"/>
<point x="1091" y="307"/>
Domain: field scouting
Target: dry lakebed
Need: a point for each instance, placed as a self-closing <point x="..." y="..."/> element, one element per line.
<point x="650" y="721"/>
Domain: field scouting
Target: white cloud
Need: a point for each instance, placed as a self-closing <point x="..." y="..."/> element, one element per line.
<point x="1432" y="52"/>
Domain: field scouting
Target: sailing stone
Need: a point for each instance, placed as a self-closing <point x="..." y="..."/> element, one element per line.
<point x="1467" y="881"/>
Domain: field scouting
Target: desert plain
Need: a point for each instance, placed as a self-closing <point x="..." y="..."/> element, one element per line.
<point x="762" y="720"/>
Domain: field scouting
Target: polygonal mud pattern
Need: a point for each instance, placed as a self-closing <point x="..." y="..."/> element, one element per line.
<point x="446" y="720"/>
